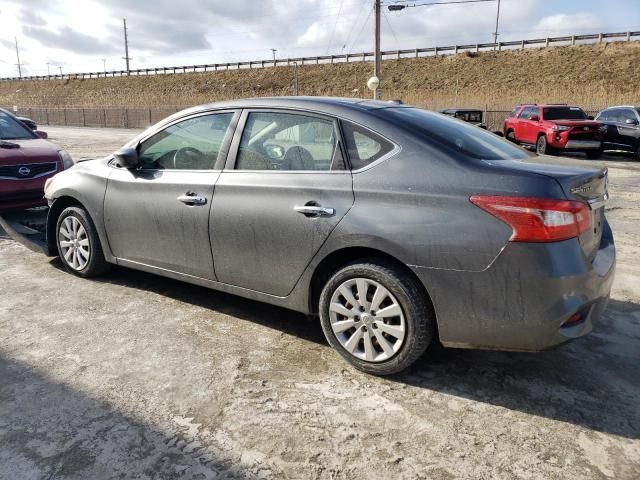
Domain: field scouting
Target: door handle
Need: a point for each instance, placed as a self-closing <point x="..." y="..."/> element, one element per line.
<point x="315" y="210"/>
<point x="192" y="199"/>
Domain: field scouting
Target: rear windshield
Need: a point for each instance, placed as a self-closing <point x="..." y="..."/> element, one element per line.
<point x="11" y="129"/>
<point x="563" y="113"/>
<point x="461" y="137"/>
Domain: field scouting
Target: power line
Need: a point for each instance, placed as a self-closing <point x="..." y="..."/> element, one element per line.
<point x="351" y="30"/>
<point x="355" y="39"/>
<point x="335" y="24"/>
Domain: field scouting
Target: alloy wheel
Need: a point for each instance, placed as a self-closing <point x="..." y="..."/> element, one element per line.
<point x="74" y="243"/>
<point x="367" y="320"/>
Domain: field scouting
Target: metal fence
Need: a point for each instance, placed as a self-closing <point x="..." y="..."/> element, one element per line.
<point x="348" y="57"/>
<point x="114" y="117"/>
<point x="142" y="117"/>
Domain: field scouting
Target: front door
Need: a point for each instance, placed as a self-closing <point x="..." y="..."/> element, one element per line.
<point x="280" y="197"/>
<point x="158" y="213"/>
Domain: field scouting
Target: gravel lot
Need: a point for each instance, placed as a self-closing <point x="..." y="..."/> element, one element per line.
<point x="137" y="376"/>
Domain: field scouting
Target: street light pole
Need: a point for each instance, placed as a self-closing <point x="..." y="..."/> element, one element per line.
<point x="18" y="56"/>
<point x="377" y="61"/>
<point x="495" y="34"/>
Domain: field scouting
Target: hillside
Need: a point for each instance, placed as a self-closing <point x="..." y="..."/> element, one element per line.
<point x="586" y="74"/>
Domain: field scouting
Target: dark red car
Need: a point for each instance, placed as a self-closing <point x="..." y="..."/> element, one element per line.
<point x="26" y="162"/>
<point x="554" y="128"/>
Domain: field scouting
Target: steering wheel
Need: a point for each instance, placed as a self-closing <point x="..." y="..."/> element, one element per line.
<point x="187" y="158"/>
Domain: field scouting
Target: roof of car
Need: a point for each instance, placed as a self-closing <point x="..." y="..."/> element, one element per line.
<point x="620" y="106"/>
<point x="460" y="110"/>
<point x="324" y="104"/>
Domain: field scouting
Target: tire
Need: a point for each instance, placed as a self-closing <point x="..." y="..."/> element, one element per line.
<point x="543" y="148"/>
<point x="594" y="154"/>
<point x="638" y="152"/>
<point x="511" y="136"/>
<point x="84" y="257"/>
<point x="378" y="348"/>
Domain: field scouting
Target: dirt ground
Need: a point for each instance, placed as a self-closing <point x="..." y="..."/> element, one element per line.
<point x="137" y="376"/>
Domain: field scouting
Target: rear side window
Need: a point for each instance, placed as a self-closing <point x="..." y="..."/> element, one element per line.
<point x="459" y="137"/>
<point x="363" y="146"/>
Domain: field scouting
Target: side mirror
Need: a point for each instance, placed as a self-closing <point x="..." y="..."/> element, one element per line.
<point x="42" y="134"/>
<point x="535" y="118"/>
<point x="126" y="157"/>
<point x="631" y="121"/>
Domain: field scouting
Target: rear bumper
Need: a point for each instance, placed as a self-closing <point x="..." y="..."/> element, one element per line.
<point x="523" y="299"/>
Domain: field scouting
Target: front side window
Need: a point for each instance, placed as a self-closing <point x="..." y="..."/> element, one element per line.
<point x="363" y="146"/>
<point x="11" y="129"/>
<point x="564" y="113"/>
<point x="193" y="144"/>
<point x="288" y="142"/>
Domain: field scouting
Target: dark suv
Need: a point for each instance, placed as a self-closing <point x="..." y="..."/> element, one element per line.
<point x="623" y="129"/>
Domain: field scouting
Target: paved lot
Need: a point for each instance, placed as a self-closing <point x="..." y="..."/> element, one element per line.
<point x="136" y="376"/>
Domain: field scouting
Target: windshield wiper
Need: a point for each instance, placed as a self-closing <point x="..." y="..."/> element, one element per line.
<point x="5" y="144"/>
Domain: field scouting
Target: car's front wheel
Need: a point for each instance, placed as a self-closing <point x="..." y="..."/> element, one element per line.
<point x="78" y="243"/>
<point x="543" y="147"/>
<point x="376" y="316"/>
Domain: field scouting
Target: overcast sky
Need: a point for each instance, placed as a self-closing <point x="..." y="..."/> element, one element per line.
<point x="78" y="34"/>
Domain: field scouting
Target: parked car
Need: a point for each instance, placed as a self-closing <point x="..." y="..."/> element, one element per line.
<point x="474" y="117"/>
<point x="26" y="162"/>
<point x="29" y="123"/>
<point x="397" y="226"/>
<point x="623" y="129"/>
<point x="555" y="128"/>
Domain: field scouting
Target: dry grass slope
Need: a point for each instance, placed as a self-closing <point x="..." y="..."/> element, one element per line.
<point x="590" y="75"/>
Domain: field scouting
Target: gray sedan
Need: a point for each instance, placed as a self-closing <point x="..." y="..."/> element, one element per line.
<point x="398" y="227"/>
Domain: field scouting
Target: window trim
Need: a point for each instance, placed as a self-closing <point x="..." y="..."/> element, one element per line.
<point x="224" y="147"/>
<point x="232" y="155"/>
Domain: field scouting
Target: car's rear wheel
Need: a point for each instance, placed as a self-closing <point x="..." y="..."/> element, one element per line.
<point x="78" y="243"/>
<point x="511" y="136"/>
<point x="543" y="148"/>
<point x="376" y="316"/>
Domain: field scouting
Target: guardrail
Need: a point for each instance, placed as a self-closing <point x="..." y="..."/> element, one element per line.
<point x="342" y="58"/>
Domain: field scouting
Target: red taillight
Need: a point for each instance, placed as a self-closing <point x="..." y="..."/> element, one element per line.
<point x="537" y="219"/>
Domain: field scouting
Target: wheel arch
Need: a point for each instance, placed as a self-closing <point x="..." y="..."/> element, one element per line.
<point x="339" y="258"/>
<point x="56" y="209"/>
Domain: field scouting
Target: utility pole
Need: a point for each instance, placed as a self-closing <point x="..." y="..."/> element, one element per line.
<point x="495" y="34"/>
<point x="60" y="68"/>
<point x="18" y="56"/>
<point x="377" y="61"/>
<point x="104" y="66"/>
<point x="48" y="69"/>
<point x="126" y="44"/>
<point x="274" y="50"/>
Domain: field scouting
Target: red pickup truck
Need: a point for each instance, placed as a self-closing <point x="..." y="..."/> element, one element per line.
<point x="554" y="128"/>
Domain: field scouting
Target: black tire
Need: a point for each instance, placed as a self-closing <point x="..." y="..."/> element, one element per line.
<point x="511" y="136"/>
<point x="543" y="148"/>
<point x="416" y="308"/>
<point x="594" y="154"/>
<point x="638" y="152"/>
<point x="96" y="264"/>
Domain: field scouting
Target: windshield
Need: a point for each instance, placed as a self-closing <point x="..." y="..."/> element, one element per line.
<point x="11" y="129"/>
<point x="563" y="113"/>
<point x="461" y="137"/>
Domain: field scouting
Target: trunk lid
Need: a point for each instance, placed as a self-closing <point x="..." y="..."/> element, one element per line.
<point x="587" y="185"/>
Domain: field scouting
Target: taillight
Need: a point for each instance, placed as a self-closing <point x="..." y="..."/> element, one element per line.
<point x="537" y="219"/>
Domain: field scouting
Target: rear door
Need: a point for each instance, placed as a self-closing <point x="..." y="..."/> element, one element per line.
<point x="284" y="190"/>
<point x="628" y="133"/>
<point x="158" y="214"/>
